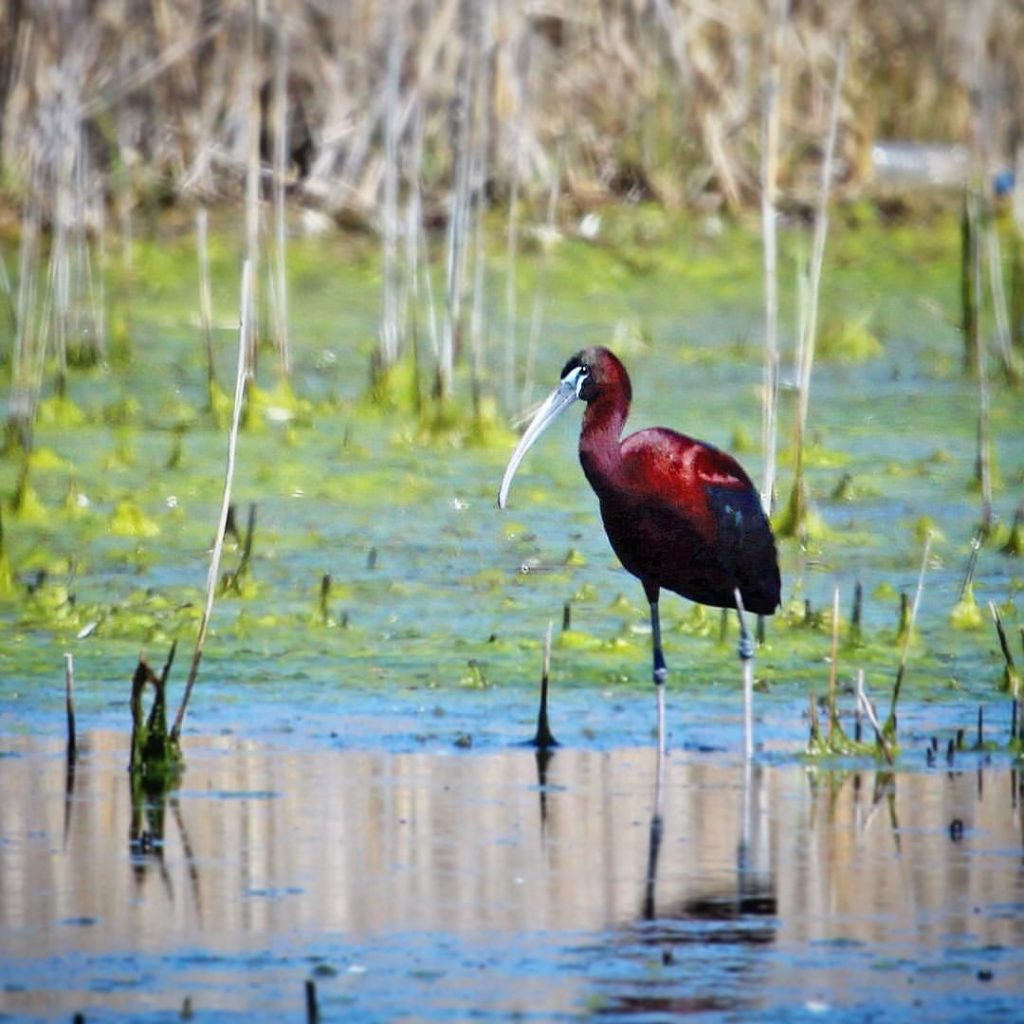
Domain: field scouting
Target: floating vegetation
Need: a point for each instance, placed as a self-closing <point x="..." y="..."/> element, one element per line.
<point x="849" y="341"/>
<point x="448" y="574"/>
<point x="128" y="520"/>
<point x="966" y="614"/>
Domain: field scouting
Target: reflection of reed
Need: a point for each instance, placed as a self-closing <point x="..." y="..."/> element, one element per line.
<point x="365" y="843"/>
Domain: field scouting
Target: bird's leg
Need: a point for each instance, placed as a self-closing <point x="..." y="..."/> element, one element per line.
<point x="660" y="671"/>
<point x="660" y="674"/>
<point x="746" y="654"/>
<point x="746" y="644"/>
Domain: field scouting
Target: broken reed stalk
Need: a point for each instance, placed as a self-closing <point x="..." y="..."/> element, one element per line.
<point x="312" y="1008"/>
<point x="69" y="704"/>
<point x="833" y="710"/>
<point x="543" y="738"/>
<point x="244" y="330"/>
<point x="983" y="463"/>
<point x="775" y="18"/>
<point x="856" y="616"/>
<point x="325" y="598"/>
<point x="972" y="564"/>
<point x="1011" y="678"/>
<point x="890" y="723"/>
<point x="233" y="580"/>
<point x="857" y="711"/>
<point x="867" y="707"/>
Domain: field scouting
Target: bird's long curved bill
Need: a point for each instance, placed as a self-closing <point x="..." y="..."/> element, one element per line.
<point x="554" y="405"/>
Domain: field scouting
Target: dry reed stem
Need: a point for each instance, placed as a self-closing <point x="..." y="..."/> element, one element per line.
<point x="245" y="328"/>
<point x="1000" y="307"/>
<point x="251" y="100"/>
<point x="810" y="325"/>
<point x="280" y="118"/>
<point x="867" y="708"/>
<point x="775" y="18"/>
<point x="983" y="464"/>
<point x="1004" y="644"/>
<point x="833" y="711"/>
<point x="890" y="725"/>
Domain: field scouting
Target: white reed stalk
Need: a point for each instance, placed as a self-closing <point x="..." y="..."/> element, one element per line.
<point x="821" y="230"/>
<point x="245" y="327"/>
<point x="775" y="19"/>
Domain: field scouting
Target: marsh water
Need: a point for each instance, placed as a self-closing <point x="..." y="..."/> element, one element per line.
<point x="357" y="807"/>
<point x="429" y="883"/>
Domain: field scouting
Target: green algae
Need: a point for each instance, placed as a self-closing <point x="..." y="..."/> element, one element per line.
<point x="128" y="520"/>
<point x="340" y="472"/>
<point x="966" y="614"/>
<point x="848" y="341"/>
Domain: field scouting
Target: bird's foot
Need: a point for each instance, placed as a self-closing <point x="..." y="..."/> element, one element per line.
<point x="746" y="647"/>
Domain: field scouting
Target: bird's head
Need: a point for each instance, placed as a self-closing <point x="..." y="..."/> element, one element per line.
<point x="592" y="374"/>
<point x="598" y="373"/>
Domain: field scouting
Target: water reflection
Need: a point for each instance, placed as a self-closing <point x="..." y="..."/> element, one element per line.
<point x="738" y="882"/>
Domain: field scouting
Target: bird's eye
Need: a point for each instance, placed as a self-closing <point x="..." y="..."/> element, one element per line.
<point x="581" y="377"/>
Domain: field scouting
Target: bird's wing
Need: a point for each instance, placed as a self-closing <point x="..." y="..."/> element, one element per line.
<point x="707" y="491"/>
<point x="682" y="473"/>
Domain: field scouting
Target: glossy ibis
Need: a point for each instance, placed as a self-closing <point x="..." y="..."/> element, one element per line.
<point x="680" y="514"/>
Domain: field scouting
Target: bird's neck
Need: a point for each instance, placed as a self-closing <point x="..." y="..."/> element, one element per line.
<point x="600" y="451"/>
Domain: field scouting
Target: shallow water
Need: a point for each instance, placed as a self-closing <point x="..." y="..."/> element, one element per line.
<point x="446" y="884"/>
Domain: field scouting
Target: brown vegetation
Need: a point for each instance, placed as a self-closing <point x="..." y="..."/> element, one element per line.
<point x="639" y="98"/>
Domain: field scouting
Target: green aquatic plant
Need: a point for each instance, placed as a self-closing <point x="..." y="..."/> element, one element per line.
<point x="128" y="520"/>
<point x="849" y="341"/>
<point x="798" y="517"/>
<point x="46" y="460"/>
<point x="1014" y="544"/>
<point x="122" y="411"/>
<point x="924" y="527"/>
<point x="49" y="600"/>
<point x="122" y="457"/>
<point x="59" y="411"/>
<point x="155" y="760"/>
<point x="966" y="614"/>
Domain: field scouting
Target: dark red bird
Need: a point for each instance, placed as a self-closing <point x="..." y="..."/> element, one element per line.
<point x="680" y="514"/>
